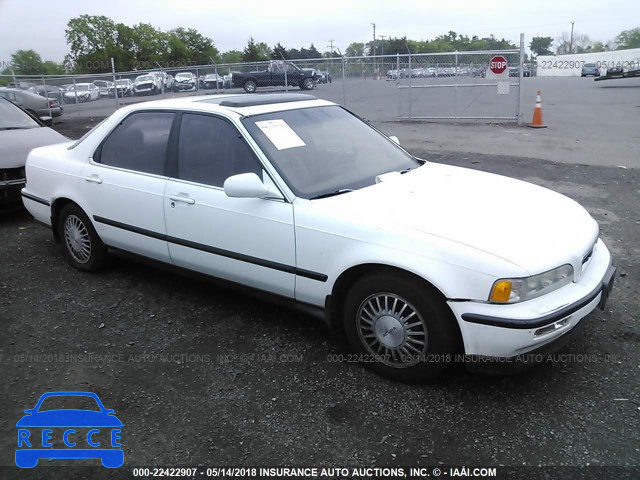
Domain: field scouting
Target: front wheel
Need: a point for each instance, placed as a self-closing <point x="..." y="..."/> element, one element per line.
<point x="400" y="328"/>
<point x="307" y="84"/>
<point x="81" y="244"/>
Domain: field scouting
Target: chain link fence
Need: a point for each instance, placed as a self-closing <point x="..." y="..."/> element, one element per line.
<point x="457" y="85"/>
<point x="454" y="85"/>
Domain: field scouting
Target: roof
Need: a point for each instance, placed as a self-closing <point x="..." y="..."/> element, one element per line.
<point x="240" y="103"/>
<point x="254" y="99"/>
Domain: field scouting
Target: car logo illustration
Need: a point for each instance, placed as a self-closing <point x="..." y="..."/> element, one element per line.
<point x="92" y="431"/>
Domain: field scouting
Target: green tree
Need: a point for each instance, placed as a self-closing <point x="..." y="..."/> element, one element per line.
<point x="279" y="52"/>
<point x="313" y="52"/>
<point x="92" y="41"/>
<point x="541" y="45"/>
<point x="52" y="68"/>
<point x="252" y="52"/>
<point x="187" y="44"/>
<point x="27" y="62"/>
<point x="628" y="39"/>
<point x="355" y="49"/>
<point x="232" y="56"/>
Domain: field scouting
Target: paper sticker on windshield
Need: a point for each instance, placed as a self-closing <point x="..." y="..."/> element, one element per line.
<point x="280" y="133"/>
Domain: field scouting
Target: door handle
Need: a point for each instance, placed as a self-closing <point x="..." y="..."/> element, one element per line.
<point x="93" y="179"/>
<point x="180" y="198"/>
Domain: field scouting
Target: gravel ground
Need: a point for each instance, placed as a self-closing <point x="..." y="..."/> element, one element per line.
<point x="207" y="376"/>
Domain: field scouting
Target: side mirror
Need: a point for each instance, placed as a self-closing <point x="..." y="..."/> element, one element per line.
<point x="48" y="121"/>
<point x="248" y="185"/>
<point x="394" y="139"/>
<point x="29" y="411"/>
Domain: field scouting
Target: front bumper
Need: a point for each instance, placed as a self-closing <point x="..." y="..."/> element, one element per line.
<point x="507" y="331"/>
<point x="184" y="86"/>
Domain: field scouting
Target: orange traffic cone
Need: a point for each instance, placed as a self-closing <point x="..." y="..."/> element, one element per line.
<point x="537" y="114"/>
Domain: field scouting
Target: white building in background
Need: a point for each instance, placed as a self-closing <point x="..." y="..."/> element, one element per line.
<point x="571" y="65"/>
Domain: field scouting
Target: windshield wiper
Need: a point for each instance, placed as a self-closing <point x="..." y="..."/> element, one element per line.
<point x="332" y="194"/>
<point x="14" y="128"/>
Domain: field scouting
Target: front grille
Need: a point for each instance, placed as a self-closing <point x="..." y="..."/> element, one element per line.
<point x="12" y="174"/>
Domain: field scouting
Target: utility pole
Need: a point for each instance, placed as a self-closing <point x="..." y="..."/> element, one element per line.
<point x="330" y="52"/>
<point x="382" y="52"/>
<point x="571" y="41"/>
<point x="374" y="49"/>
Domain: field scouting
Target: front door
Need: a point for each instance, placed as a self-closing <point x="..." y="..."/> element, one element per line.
<point x="244" y="240"/>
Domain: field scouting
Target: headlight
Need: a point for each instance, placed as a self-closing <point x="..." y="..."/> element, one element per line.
<point x="512" y="290"/>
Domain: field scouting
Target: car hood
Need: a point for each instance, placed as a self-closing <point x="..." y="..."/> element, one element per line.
<point x="69" y="418"/>
<point x="183" y="80"/>
<point x="15" y="145"/>
<point x="143" y="82"/>
<point x="530" y="226"/>
<point x="73" y="93"/>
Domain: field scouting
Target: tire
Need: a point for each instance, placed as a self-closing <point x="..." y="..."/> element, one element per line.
<point x="307" y="84"/>
<point x="375" y="315"/>
<point x="81" y="244"/>
<point x="250" y="86"/>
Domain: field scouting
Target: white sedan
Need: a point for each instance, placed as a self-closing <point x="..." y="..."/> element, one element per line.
<point x="82" y="92"/>
<point x="415" y="262"/>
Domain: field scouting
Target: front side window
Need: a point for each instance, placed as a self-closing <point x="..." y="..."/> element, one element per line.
<point x="138" y="143"/>
<point x="210" y="150"/>
<point x="9" y="96"/>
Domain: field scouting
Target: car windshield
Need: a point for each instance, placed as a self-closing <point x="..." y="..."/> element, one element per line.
<point x="144" y="78"/>
<point x="589" y="64"/>
<point x="69" y="402"/>
<point x="183" y="76"/>
<point x="325" y="150"/>
<point x="80" y="88"/>
<point x="122" y="82"/>
<point x="13" y="118"/>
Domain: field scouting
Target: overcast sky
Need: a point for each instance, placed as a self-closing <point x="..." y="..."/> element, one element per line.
<point x="40" y="25"/>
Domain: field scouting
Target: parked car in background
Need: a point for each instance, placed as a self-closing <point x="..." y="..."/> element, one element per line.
<point x="303" y="200"/>
<point x="84" y="92"/>
<point x="19" y="134"/>
<point x="275" y="75"/>
<point x="212" y="80"/>
<point x="48" y="91"/>
<point x="622" y="68"/>
<point x="165" y="80"/>
<point x="21" y="85"/>
<point x="324" y="77"/>
<point x="124" y="88"/>
<point x="392" y="75"/>
<point x="147" y="84"/>
<point x="34" y="104"/>
<point x="590" y="69"/>
<point x="103" y="86"/>
<point x="184" y="81"/>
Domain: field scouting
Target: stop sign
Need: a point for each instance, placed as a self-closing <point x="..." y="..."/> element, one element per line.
<point x="498" y="64"/>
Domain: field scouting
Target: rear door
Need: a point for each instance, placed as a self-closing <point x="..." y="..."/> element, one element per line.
<point x="125" y="181"/>
<point x="244" y="240"/>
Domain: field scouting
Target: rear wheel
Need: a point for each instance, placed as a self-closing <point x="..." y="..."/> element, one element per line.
<point x="400" y="328"/>
<point x="250" y="86"/>
<point x="81" y="244"/>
